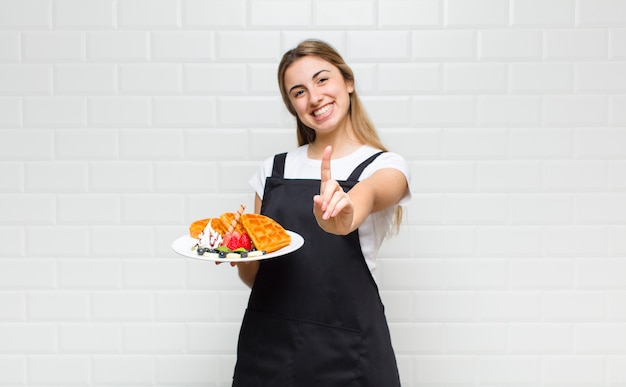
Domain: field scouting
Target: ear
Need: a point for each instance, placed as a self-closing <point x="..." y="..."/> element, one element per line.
<point x="350" y="86"/>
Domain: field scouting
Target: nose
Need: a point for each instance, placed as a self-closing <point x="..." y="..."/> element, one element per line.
<point x="316" y="98"/>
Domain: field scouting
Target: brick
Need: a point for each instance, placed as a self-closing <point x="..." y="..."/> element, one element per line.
<point x="540" y="338"/>
<point x="13" y="370"/>
<point x="30" y="209"/>
<point x="151" y="144"/>
<point x="259" y="111"/>
<point x="475" y="274"/>
<point x="9" y="47"/>
<point x="161" y="274"/>
<point x="475" y="77"/>
<point x="616" y="241"/>
<point x="184" y="111"/>
<point x="55" y="177"/>
<point x="444" y="44"/>
<point x="85" y="79"/>
<point x="568" y="369"/>
<point x="509" y="370"/>
<point x="116" y="241"/>
<point x="221" y="79"/>
<point x="575" y="176"/>
<point x="446" y="176"/>
<point x="208" y="277"/>
<point x="601" y="77"/>
<point x="402" y="274"/>
<point x="472" y="209"/>
<point x="600" y="143"/>
<point x="617" y="176"/>
<point x="89" y="337"/>
<point x="57" y="306"/>
<point x="150" y="78"/>
<point x="600" y="338"/>
<point x="344" y="13"/>
<point x="182" y="46"/>
<point x="616" y="366"/>
<point x="509" y="176"/>
<point x="509" y="110"/>
<point x="28" y="338"/>
<point x="122" y="306"/>
<point x="408" y="78"/>
<point x="470" y="143"/>
<point x="280" y="13"/>
<point x="197" y="141"/>
<point x="540" y="209"/>
<point x="78" y="144"/>
<point x="390" y="112"/>
<point x="231" y="306"/>
<point x="475" y="338"/>
<point x="55" y="111"/>
<point x="509" y="45"/>
<point x="211" y="338"/>
<point x="541" y="143"/>
<point x="151" y="209"/>
<point x="406" y="13"/>
<point x="123" y="370"/>
<point x="582" y="44"/>
<point x="120" y="177"/>
<point x="443" y="111"/>
<point x="617" y="41"/>
<point x="89" y="274"/>
<point x="417" y="338"/>
<point x="123" y="46"/>
<point x="259" y="78"/>
<point x="11" y="177"/>
<point x="246" y="46"/>
<point x="153" y="337"/>
<point x="214" y="13"/>
<point x="381" y="45"/>
<point x="12" y="308"/>
<point x="477" y="13"/>
<point x="189" y="306"/>
<point x="616" y="301"/>
<point x="542" y="77"/>
<point x="444" y="306"/>
<point x="92" y="14"/>
<point x="515" y="241"/>
<point x="10" y="112"/>
<point x="23" y="80"/>
<point x="185" y="177"/>
<point x="397" y="305"/>
<point x="119" y="111"/>
<point x="59" y="369"/>
<point x="541" y="12"/>
<point x="618" y="110"/>
<point x="436" y="369"/>
<point x="575" y="110"/>
<point x="453" y="241"/>
<point x="508" y="306"/>
<point x="155" y="14"/>
<point x="12" y="241"/>
<point x="55" y="46"/>
<point x="29" y="14"/>
<point x="600" y="209"/>
<point x="544" y="273"/>
<point x="609" y="273"/>
<point x="572" y="241"/>
<point x="228" y="170"/>
<point x="601" y="12"/>
<point x="27" y="274"/>
<point x="573" y="306"/>
<point x="56" y="241"/>
<point x="414" y="143"/>
<point x="187" y="369"/>
<point x="87" y="209"/>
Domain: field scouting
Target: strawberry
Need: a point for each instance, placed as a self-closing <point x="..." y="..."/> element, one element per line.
<point x="244" y="241"/>
<point x="226" y="239"/>
<point x="233" y="243"/>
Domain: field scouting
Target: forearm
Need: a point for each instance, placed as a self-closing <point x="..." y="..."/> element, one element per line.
<point x="247" y="272"/>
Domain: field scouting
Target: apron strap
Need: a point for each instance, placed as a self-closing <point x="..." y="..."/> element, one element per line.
<point x="278" y="170"/>
<point x="354" y="176"/>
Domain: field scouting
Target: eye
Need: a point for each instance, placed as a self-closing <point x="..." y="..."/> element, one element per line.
<point x="298" y="93"/>
<point x="322" y="80"/>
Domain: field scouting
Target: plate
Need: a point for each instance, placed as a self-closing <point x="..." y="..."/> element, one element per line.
<point x="185" y="243"/>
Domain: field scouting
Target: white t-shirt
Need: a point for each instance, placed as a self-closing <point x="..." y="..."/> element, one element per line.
<point x="377" y="225"/>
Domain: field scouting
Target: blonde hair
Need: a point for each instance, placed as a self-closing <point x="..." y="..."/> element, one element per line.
<point x="364" y="129"/>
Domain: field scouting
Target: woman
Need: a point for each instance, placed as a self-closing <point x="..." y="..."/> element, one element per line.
<point x="314" y="317"/>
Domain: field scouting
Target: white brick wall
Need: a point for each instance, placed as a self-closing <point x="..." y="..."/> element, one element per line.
<point x="121" y="121"/>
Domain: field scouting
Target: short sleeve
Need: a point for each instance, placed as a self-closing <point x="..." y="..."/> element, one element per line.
<point x="395" y="161"/>
<point x="257" y="181"/>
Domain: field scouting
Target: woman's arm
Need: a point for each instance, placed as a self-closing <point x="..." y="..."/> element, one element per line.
<point x="338" y="212"/>
<point x="248" y="270"/>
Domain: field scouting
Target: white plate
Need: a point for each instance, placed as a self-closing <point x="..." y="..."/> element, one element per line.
<point x="184" y="246"/>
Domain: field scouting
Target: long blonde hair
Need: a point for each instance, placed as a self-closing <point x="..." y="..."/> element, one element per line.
<point x="364" y="129"/>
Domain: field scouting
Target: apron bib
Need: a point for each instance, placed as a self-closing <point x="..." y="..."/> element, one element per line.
<point x="314" y="316"/>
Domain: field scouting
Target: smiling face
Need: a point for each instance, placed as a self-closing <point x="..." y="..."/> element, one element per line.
<point x="319" y="94"/>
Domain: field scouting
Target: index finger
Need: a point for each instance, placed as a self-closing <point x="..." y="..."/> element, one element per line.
<point x="325" y="170"/>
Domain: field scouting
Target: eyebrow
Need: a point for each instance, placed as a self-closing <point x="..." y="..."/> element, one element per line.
<point x="313" y="77"/>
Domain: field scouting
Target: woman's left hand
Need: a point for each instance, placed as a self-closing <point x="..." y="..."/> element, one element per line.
<point x="333" y="208"/>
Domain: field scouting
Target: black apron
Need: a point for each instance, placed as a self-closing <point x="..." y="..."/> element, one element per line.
<point x="314" y="317"/>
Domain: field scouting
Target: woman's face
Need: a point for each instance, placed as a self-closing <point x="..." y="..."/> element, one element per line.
<point x="319" y="94"/>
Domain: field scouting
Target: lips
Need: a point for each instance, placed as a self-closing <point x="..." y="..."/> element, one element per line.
<point x="323" y="111"/>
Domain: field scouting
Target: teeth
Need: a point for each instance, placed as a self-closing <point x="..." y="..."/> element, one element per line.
<point x="322" y="111"/>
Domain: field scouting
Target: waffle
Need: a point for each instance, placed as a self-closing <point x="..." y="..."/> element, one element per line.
<point x="265" y="232"/>
<point x="196" y="228"/>
<point x="227" y="218"/>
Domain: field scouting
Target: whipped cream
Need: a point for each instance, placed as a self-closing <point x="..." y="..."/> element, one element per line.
<point x="209" y="238"/>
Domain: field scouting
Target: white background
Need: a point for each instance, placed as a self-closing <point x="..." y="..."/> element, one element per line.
<point x="122" y="121"/>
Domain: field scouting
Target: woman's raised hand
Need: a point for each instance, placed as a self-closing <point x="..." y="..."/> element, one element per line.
<point x="333" y="208"/>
